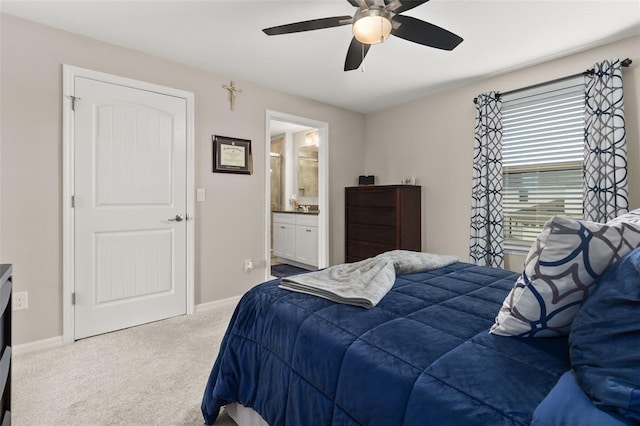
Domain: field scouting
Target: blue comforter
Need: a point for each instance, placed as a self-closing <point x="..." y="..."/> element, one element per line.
<point x="422" y="356"/>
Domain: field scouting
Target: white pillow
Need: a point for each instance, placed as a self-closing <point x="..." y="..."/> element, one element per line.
<point x="631" y="217"/>
<point x="561" y="268"/>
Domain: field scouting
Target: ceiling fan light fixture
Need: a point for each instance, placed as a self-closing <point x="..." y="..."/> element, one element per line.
<point x="372" y="26"/>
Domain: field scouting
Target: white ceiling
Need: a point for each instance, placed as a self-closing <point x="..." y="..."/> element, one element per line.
<point x="277" y="127"/>
<point x="225" y="37"/>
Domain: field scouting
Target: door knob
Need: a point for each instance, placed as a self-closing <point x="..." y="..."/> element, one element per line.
<point x="178" y="218"/>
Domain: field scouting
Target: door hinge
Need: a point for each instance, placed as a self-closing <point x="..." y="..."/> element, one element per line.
<point x="73" y="201"/>
<point x="73" y="298"/>
<point x="74" y="99"/>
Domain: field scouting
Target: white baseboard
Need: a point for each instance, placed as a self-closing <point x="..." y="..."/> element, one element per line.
<point x="38" y="345"/>
<point x="217" y="304"/>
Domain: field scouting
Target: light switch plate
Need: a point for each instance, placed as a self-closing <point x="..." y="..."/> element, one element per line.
<point x="248" y="265"/>
<point x="201" y="195"/>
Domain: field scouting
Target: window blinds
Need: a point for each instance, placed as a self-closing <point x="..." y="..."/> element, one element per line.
<point x="543" y="150"/>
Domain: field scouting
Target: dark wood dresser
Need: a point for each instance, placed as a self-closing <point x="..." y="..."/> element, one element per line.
<point x="379" y="218"/>
<point x="5" y="342"/>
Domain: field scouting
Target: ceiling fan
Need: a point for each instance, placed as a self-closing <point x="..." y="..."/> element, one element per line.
<point x="372" y="23"/>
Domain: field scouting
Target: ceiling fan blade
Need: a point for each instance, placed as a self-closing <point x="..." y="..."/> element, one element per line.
<point x="406" y="5"/>
<point x="355" y="55"/>
<point x="354" y="3"/>
<point x="422" y="32"/>
<point x="313" y="24"/>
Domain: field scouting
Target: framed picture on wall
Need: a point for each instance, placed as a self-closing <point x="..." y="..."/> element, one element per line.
<point x="232" y="155"/>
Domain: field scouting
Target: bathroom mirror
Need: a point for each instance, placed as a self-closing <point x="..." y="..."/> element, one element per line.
<point x="308" y="171"/>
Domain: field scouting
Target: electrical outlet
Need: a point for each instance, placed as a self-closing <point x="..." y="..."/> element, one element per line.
<point x="248" y="265"/>
<point x="20" y="300"/>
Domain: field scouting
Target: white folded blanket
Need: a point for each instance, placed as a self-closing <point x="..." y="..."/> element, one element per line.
<point x="366" y="282"/>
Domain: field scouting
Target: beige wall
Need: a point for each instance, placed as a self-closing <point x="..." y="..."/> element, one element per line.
<point x="432" y="139"/>
<point x="230" y="224"/>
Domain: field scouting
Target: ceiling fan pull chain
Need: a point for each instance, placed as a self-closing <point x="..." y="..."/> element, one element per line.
<point x="362" y="68"/>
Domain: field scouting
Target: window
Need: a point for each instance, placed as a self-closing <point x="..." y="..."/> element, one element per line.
<point x="542" y="158"/>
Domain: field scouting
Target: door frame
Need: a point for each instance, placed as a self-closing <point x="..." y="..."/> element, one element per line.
<point x="69" y="73"/>
<point x="323" y="184"/>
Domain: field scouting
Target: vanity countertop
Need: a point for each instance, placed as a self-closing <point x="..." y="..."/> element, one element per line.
<point x="312" y="212"/>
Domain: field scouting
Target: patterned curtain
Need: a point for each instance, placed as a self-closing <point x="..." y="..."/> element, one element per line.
<point x="487" y="235"/>
<point x="605" y="165"/>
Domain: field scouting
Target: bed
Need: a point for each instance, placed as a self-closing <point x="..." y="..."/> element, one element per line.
<point x="301" y="360"/>
<point x="422" y="356"/>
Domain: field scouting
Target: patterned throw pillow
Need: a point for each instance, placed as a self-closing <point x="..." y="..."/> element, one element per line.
<point x="561" y="268"/>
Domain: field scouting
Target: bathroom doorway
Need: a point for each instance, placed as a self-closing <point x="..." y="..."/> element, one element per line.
<point x="297" y="192"/>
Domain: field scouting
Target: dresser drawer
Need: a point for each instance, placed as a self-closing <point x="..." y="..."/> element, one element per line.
<point x="372" y="216"/>
<point x="376" y="234"/>
<point x="364" y="250"/>
<point x="372" y="198"/>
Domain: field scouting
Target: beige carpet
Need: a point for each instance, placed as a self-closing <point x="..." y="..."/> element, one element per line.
<point x="151" y="374"/>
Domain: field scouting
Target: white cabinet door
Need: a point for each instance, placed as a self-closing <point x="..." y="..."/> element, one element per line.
<point x="307" y="244"/>
<point x="295" y="237"/>
<point x="284" y="240"/>
<point x="278" y="239"/>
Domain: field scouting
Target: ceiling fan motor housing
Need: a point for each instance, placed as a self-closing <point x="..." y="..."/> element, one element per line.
<point x="372" y="25"/>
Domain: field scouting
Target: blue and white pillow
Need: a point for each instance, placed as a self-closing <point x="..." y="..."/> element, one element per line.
<point x="560" y="270"/>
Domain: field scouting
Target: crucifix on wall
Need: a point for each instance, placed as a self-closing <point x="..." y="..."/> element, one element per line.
<point x="233" y="91"/>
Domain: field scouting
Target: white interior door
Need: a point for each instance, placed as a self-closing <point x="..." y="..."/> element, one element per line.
<point x="130" y="206"/>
